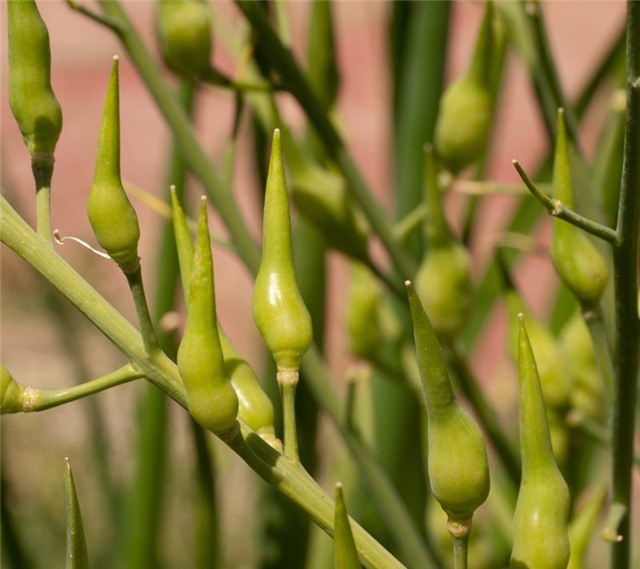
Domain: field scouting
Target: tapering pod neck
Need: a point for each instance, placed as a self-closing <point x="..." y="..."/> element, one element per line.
<point x="480" y="67"/>
<point x="433" y="370"/>
<point x="276" y="238"/>
<point x="561" y="165"/>
<point x="535" y="441"/>
<point x="108" y="159"/>
<point x="436" y="229"/>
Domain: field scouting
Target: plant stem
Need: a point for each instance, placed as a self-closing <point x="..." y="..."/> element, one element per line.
<point x="41" y="399"/>
<point x="293" y="481"/>
<point x="627" y="334"/>
<point x="17" y="235"/>
<point x="288" y="395"/>
<point x="149" y="337"/>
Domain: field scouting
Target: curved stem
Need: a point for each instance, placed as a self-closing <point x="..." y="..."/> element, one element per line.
<point x="557" y="209"/>
<point x="41" y="399"/>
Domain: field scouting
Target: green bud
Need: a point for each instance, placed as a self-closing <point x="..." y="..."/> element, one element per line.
<point x="278" y="309"/>
<point x="31" y="98"/>
<point x="466" y="107"/>
<point x="77" y="556"/>
<point x="443" y="280"/>
<point x="211" y="399"/>
<point x="111" y="214"/>
<point x="346" y="553"/>
<point x="11" y="393"/>
<point x="540" y="538"/>
<point x="184" y="30"/>
<point x="577" y="261"/>
<point x="458" y="466"/>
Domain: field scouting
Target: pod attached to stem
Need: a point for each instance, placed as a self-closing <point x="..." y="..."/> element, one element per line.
<point x="458" y="466"/>
<point x="111" y="214"/>
<point x="540" y="534"/>
<point x="211" y="399"/>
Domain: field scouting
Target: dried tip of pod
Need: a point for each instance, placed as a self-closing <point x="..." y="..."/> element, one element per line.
<point x="116" y="58"/>
<point x="407" y="283"/>
<point x="520" y="317"/>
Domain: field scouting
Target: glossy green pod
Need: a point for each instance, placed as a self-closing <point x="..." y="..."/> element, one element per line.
<point x="443" y="280"/>
<point x="11" y="393"/>
<point x="111" y="214"/>
<point x="466" y="107"/>
<point x="540" y="536"/>
<point x="185" y="35"/>
<point x="363" y="313"/>
<point x="278" y="309"/>
<point x="457" y="458"/>
<point x="578" y="263"/>
<point x="587" y="388"/>
<point x="211" y="399"/>
<point x="346" y="553"/>
<point x="255" y="408"/>
<point x="32" y="101"/>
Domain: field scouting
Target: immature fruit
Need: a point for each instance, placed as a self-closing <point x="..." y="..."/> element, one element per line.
<point x="278" y="309"/>
<point x="364" y="313"/>
<point x="540" y="537"/>
<point x="211" y="399"/>
<point x="578" y="263"/>
<point x="31" y="98"/>
<point x="346" y="553"/>
<point x="443" y="280"/>
<point x="464" y="119"/>
<point x="458" y="466"/>
<point x="11" y="393"/>
<point x="184" y="30"/>
<point x="111" y="214"/>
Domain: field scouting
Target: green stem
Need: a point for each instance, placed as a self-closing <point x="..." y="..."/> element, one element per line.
<point x="293" y="481"/>
<point x="17" y="235"/>
<point x="460" y="551"/>
<point x="178" y="121"/>
<point x="595" y="324"/>
<point x="557" y="209"/>
<point x="41" y="399"/>
<point x="627" y="333"/>
<point x="149" y="337"/>
<point x="288" y="394"/>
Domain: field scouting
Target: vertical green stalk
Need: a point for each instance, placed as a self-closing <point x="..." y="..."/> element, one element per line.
<point x="627" y="334"/>
<point x="144" y="507"/>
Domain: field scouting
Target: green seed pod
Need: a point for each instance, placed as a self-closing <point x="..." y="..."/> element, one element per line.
<point x="11" y="393"/>
<point x="464" y="118"/>
<point x="211" y="399"/>
<point x="278" y="309"/>
<point x="587" y="389"/>
<point x="77" y="556"/>
<point x="540" y="537"/>
<point x="184" y="31"/>
<point x="577" y="261"/>
<point x="32" y="100"/>
<point x="346" y="553"/>
<point x="255" y="408"/>
<point x="363" y="313"/>
<point x="321" y="197"/>
<point x="552" y="369"/>
<point x="111" y="214"/>
<point x="443" y="280"/>
<point x="458" y="466"/>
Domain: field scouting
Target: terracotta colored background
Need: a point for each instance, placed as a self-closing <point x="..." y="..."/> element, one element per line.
<point x="32" y="345"/>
